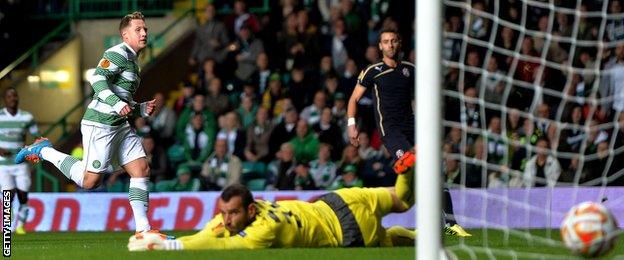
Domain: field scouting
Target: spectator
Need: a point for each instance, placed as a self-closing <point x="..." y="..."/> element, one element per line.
<point x="163" y="120"/>
<point x="451" y="47"/>
<point x="453" y="139"/>
<point x="326" y="68"/>
<point x="475" y="176"/>
<point x="372" y="54"/>
<point x="247" y="111"/>
<point x="493" y="82"/>
<point x="479" y="27"/>
<point x="289" y="41"/>
<point x="281" y="172"/>
<point x="222" y="168"/>
<point x="543" y="125"/>
<point x="496" y="145"/>
<point x="329" y="132"/>
<point x="331" y="88"/>
<point x="261" y="76"/>
<point x="377" y="170"/>
<point x="348" y="79"/>
<point x="234" y="134"/>
<point x="258" y="135"/>
<point x="572" y="136"/>
<point x="596" y="163"/>
<point x="156" y="159"/>
<point x="339" y="111"/>
<point x="615" y="26"/>
<point x="273" y="94"/>
<point x="197" y="142"/>
<point x="365" y="150"/>
<point x="183" y="182"/>
<point x="350" y="156"/>
<point x="216" y="101"/>
<point x="300" y="90"/>
<point x="308" y="31"/>
<point x="323" y="169"/>
<point x="351" y="18"/>
<point x="247" y="49"/>
<point x="305" y="144"/>
<point x="348" y="179"/>
<point x="284" y="131"/>
<point x="198" y="106"/>
<point x="303" y="179"/>
<point x="611" y="86"/>
<point x="241" y="18"/>
<point x="340" y="45"/>
<point x="542" y="169"/>
<point x="312" y="113"/>
<point x="188" y="92"/>
<point x="472" y="114"/>
<point x="206" y="75"/>
<point x="211" y="39"/>
<point x="451" y="171"/>
<point x="473" y="60"/>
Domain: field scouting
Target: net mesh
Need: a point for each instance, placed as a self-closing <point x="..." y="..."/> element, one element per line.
<point x="533" y="94"/>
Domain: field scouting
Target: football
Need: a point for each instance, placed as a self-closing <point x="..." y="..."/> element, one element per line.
<point x="589" y="229"/>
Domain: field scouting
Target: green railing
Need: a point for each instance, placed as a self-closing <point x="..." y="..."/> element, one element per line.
<point x="90" y="9"/>
<point x="150" y="50"/>
<point x="33" y="54"/>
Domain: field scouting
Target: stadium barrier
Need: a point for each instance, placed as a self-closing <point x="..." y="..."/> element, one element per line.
<point x="492" y="208"/>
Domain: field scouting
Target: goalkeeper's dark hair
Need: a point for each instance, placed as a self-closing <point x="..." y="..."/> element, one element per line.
<point x="237" y="190"/>
<point x="125" y="21"/>
<point x="388" y="30"/>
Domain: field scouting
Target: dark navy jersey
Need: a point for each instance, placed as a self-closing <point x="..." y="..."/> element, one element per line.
<point x="393" y="92"/>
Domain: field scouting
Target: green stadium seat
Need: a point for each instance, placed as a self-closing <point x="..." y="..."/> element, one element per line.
<point x="256" y="184"/>
<point x="252" y="170"/>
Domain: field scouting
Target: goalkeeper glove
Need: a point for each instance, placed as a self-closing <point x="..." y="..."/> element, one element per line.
<point x="153" y="241"/>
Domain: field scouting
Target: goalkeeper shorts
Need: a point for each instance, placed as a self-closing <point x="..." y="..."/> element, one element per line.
<point x="359" y="211"/>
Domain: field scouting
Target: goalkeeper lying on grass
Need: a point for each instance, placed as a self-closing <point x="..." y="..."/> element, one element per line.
<point x="346" y="217"/>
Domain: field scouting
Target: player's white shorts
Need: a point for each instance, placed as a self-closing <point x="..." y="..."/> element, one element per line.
<point x="15" y="176"/>
<point x="105" y="150"/>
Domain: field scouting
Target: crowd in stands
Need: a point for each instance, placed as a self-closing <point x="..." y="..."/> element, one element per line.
<point x="265" y="105"/>
<point x="540" y="122"/>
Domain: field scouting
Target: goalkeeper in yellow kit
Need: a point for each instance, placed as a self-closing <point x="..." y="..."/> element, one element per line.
<point x="343" y="218"/>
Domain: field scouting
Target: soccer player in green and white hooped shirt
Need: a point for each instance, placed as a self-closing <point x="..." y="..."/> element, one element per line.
<point x="108" y="139"/>
<point x="14" y="123"/>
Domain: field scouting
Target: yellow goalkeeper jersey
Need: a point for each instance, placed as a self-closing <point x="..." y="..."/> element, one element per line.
<point x="282" y="224"/>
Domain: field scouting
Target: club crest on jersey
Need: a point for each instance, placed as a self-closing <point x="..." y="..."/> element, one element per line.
<point x="96" y="164"/>
<point x="406" y="72"/>
<point x="104" y="63"/>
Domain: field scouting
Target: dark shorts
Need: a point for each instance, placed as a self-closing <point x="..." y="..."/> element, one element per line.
<point x="398" y="137"/>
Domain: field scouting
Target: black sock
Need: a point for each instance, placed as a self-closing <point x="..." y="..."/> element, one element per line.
<point x="449" y="216"/>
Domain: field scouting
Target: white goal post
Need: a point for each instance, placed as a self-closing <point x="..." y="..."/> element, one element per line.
<point x="428" y="128"/>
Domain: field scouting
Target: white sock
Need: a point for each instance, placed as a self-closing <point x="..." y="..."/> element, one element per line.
<point x="138" y="195"/>
<point x="22" y="215"/>
<point x="70" y="166"/>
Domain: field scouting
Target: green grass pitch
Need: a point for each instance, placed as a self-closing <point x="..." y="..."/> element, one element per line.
<point x="484" y="244"/>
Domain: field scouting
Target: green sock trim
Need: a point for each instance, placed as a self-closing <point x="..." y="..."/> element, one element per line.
<point x="67" y="164"/>
<point x="138" y="194"/>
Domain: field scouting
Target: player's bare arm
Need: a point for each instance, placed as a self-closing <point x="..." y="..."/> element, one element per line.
<point x="351" y="113"/>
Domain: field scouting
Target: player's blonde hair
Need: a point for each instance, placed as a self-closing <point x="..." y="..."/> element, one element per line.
<point x="125" y="21"/>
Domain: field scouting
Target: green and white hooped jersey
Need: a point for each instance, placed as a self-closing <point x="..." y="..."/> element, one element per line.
<point x="114" y="83"/>
<point x="13" y="130"/>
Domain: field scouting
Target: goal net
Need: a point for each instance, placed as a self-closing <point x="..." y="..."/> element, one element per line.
<point x="533" y="96"/>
